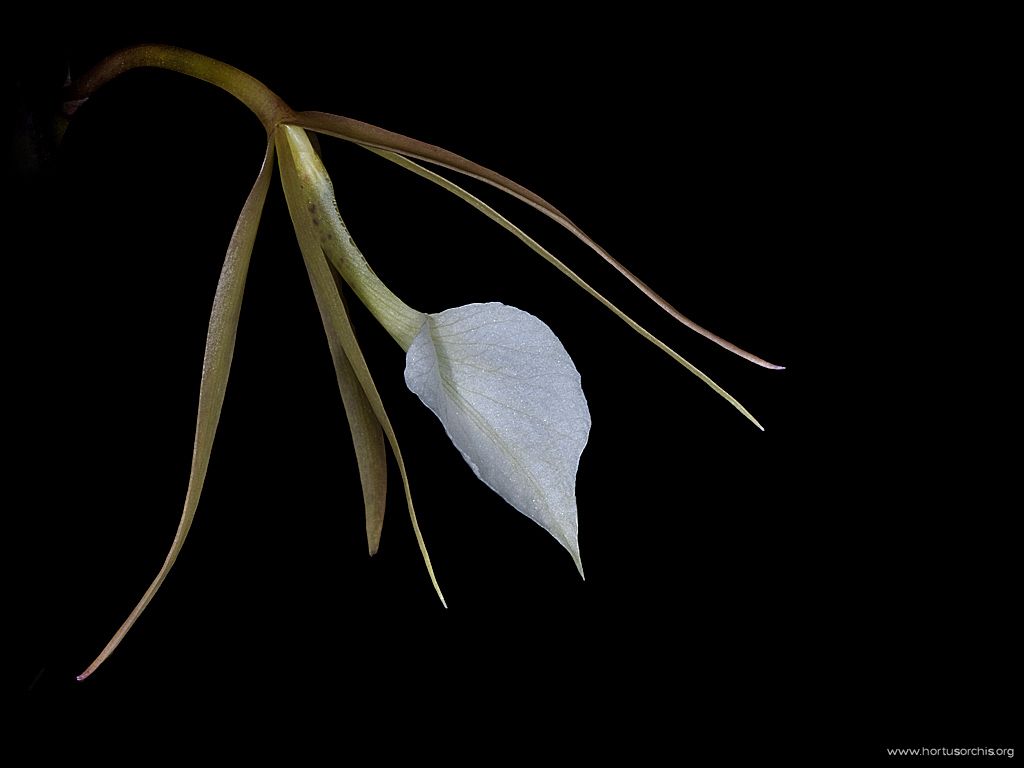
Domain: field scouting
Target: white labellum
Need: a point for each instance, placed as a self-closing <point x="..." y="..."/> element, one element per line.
<point x="510" y="399"/>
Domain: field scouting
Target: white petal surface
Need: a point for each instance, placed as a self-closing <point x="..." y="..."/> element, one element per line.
<point x="510" y="399"/>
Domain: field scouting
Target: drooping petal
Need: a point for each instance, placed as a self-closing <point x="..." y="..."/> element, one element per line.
<point x="220" y="347"/>
<point x="375" y="138"/>
<point x="544" y="253"/>
<point x="367" y="435"/>
<point x="510" y="399"/>
<point x="336" y="320"/>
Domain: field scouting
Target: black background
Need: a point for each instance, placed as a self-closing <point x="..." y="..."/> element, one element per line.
<point x="842" y="578"/>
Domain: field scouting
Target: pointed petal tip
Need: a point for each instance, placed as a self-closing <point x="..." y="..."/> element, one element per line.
<point x="83" y="676"/>
<point x="745" y="412"/>
<point x="578" y="561"/>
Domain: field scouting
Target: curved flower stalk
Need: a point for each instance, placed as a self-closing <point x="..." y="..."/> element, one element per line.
<point x="498" y="379"/>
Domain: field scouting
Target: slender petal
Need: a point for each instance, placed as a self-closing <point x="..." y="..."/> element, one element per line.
<point x="299" y="198"/>
<point x="550" y="258"/>
<point x="372" y="137"/>
<point x="367" y="435"/>
<point x="220" y="347"/>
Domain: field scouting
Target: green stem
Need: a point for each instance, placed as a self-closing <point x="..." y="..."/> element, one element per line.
<point x="315" y="209"/>
<point x="263" y="102"/>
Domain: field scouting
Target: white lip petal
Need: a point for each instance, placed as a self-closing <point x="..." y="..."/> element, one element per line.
<point x="510" y="399"/>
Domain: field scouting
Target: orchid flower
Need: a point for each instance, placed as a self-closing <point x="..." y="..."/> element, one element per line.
<point x="498" y="379"/>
